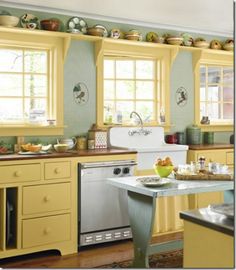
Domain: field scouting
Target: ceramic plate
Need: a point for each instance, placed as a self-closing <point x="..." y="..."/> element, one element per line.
<point x="226" y="209"/>
<point x="77" y="25"/>
<point x="33" y="153"/>
<point x="153" y="181"/>
<point x="7" y="153"/>
<point x="29" y="21"/>
<point x="103" y="27"/>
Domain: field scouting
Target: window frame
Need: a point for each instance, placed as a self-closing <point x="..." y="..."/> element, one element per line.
<point x="54" y="46"/>
<point x="209" y="58"/>
<point x="165" y="55"/>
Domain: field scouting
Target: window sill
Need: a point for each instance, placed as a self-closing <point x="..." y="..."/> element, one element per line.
<point x="216" y="127"/>
<point x="31" y="130"/>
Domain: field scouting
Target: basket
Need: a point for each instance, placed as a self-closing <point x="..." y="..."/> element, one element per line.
<point x="100" y="138"/>
<point x="204" y="176"/>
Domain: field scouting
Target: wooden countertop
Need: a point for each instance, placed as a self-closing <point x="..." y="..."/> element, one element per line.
<point x="210" y="146"/>
<point x="207" y="218"/>
<point x="71" y="153"/>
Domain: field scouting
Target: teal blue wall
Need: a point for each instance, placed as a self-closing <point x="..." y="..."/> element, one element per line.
<point x="80" y="67"/>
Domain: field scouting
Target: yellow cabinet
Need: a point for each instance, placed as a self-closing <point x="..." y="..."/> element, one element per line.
<point x="46" y="230"/>
<point x="46" y="198"/>
<point x="20" y="173"/>
<point x="223" y="156"/>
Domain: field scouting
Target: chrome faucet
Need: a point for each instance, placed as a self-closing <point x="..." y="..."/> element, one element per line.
<point x="141" y="131"/>
<point x="139" y="117"/>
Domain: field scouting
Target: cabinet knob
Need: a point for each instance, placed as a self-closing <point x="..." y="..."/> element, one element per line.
<point x="47" y="198"/>
<point x="47" y="230"/>
<point x="57" y="170"/>
<point x="17" y="173"/>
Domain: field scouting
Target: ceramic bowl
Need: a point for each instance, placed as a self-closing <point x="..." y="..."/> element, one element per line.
<point x="163" y="171"/>
<point x="175" y="40"/>
<point x="9" y="21"/>
<point x="95" y="31"/>
<point x="50" y="25"/>
<point x="228" y="46"/>
<point x="31" y="147"/>
<point x="61" y="148"/>
<point x="201" y="44"/>
<point x="132" y="37"/>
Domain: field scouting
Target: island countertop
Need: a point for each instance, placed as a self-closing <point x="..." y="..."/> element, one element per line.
<point x="70" y="153"/>
<point x="207" y="218"/>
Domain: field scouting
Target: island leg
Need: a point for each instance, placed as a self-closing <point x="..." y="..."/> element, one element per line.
<point x="141" y="214"/>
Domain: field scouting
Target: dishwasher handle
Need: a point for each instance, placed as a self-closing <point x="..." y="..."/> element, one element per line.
<point x="108" y="164"/>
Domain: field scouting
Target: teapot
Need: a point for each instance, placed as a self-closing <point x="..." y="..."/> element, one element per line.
<point x="71" y="142"/>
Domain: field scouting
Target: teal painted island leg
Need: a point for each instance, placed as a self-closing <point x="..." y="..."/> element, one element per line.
<point x="141" y="213"/>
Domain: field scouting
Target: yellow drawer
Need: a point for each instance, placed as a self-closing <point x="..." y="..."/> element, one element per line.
<point x="46" y="230"/>
<point x="56" y="170"/>
<point x="229" y="158"/>
<point x="46" y="198"/>
<point x="20" y="173"/>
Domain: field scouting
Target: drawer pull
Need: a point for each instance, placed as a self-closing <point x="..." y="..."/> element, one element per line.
<point x="47" y="198"/>
<point x="17" y="173"/>
<point x="57" y="170"/>
<point x="47" y="230"/>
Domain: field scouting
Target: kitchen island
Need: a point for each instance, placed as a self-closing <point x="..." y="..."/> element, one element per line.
<point x="208" y="238"/>
<point x="142" y="207"/>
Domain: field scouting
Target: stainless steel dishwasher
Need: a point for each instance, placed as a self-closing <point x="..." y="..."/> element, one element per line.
<point x="103" y="209"/>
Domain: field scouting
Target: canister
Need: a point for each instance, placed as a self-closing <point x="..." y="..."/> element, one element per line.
<point x="208" y="137"/>
<point x="180" y="137"/>
<point x="193" y="135"/>
<point x="81" y="143"/>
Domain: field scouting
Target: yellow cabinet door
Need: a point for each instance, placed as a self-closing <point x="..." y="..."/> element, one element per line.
<point x="46" y="198"/>
<point x="57" y="170"/>
<point x="45" y="230"/>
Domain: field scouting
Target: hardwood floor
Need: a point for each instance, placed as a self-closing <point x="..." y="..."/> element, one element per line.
<point x="89" y="257"/>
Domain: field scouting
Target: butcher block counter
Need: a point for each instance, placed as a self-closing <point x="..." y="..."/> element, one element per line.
<point x="39" y="200"/>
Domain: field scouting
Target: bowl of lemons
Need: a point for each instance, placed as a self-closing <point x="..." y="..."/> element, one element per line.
<point x="163" y="167"/>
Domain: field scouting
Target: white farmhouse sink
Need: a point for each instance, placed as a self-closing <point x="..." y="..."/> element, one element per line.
<point x="149" y="147"/>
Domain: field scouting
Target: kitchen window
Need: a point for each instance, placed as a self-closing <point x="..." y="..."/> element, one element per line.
<point x="31" y="91"/>
<point x="132" y="76"/>
<point x="214" y="90"/>
<point x="216" y="93"/>
<point x="131" y="85"/>
<point x="25" y="90"/>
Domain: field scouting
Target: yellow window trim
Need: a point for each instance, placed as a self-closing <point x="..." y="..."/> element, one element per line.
<point x="56" y="47"/>
<point x="209" y="57"/>
<point x="165" y="55"/>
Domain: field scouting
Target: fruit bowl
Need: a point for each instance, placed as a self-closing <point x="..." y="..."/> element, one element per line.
<point x="163" y="171"/>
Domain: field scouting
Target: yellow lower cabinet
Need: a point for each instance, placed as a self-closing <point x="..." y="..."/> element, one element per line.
<point x="46" y="198"/>
<point x="207" y="248"/>
<point x="45" y="230"/>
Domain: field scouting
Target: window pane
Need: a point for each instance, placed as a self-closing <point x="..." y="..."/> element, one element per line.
<point x="203" y="111"/>
<point x="144" y="69"/>
<point x="228" y="110"/>
<point x="11" y="85"/>
<point x="109" y="69"/>
<point x="11" y="60"/>
<point x="11" y="109"/>
<point x="213" y="93"/>
<point x="109" y="89"/>
<point x="124" y="89"/>
<point x="36" y="61"/>
<point x="202" y="94"/>
<point x="35" y="110"/>
<point x="228" y="75"/>
<point x="126" y="107"/>
<point x="144" y="90"/>
<point x="125" y="69"/>
<point x="228" y="93"/>
<point x="203" y="75"/>
<point x="214" y="111"/>
<point x="146" y="110"/>
<point x="214" y="75"/>
<point x="35" y="85"/>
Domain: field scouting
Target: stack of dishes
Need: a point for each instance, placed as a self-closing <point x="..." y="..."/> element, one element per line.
<point x="175" y="40"/>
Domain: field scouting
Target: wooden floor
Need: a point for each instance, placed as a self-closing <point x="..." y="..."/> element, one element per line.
<point x="89" y="257"/>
